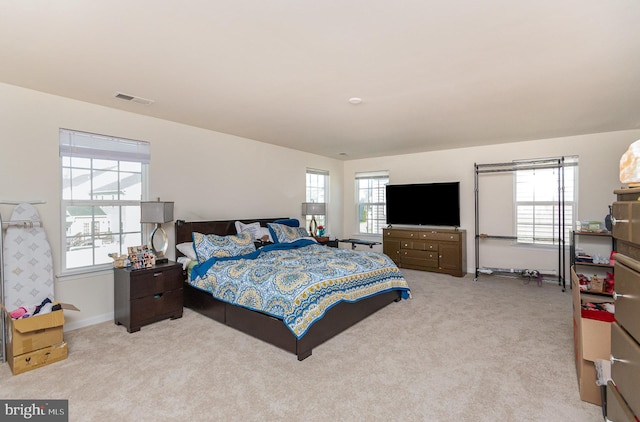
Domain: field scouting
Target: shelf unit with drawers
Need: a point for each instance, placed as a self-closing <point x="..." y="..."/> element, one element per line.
<point x="586" y="267"/>
<point x="575" y="235"/>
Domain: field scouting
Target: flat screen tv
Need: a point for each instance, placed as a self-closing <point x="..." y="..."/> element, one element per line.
<point x="424" y="204"/>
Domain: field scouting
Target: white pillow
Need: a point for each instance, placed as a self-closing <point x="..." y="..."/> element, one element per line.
<point x="262" y="232"/>
<point x="187" y="250"/>
<point x="251" y="228"/>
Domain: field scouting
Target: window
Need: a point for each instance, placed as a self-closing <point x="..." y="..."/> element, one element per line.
<point x="103" y="181"/>
<point x="371" y="197"/>
<point x="536" y="203"/>
<point x="317" y="191"/>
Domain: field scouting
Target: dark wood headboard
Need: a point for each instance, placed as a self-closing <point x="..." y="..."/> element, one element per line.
<point x="220" y="227"/>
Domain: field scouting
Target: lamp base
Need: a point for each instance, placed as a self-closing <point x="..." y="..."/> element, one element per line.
<point x="159" y="241"/>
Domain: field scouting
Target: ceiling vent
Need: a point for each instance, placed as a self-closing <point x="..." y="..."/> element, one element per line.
<point x="127" y="97"/>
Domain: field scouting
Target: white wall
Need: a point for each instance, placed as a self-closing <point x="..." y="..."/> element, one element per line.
<point x="599" y="156"/>
<point x="209" y="175"/>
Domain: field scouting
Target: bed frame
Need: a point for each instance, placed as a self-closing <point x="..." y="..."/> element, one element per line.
<point x="266" y="327"/>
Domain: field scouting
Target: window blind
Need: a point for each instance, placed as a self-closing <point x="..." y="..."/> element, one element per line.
<point x="90" y="145"/>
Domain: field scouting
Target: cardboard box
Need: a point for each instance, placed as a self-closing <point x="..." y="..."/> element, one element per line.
<point x="596" y="284"/>
<point x="28" y="334"/>
<point x="37" y="358"/>
<point x="592" y="341"/>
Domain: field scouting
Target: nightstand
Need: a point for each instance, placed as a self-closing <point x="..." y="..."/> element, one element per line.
<point x="147" y="295"/>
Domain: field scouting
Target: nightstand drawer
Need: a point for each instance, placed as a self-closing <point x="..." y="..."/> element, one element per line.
<point x="149" y="282"/>
<point x="151" y="308"/>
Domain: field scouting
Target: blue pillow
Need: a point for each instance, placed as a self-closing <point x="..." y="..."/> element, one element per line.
<point x="291" y="222"/>
<point x="281" y="233"/>
<point x="210" y="245"/>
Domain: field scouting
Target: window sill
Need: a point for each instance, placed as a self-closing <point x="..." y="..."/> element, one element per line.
<point x="84" y="273"/>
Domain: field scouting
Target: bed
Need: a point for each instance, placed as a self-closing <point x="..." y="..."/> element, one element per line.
<point x="292" y="329"/>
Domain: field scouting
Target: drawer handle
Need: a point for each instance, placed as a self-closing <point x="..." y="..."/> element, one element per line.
<point x="158" y="296"/>
<point x="615" y="221"/>
<point x="616" y="296"/>
<point x="157" y="274"/>
<point x="614" y="360"/>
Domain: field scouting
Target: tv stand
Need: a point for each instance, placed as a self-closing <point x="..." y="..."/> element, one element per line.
<point x="436" y="250"/>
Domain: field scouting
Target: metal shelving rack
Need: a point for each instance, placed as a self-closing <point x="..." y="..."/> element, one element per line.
<point x="555" y="163"/>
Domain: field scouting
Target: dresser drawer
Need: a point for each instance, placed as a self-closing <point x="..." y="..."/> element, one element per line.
<point x="617" y="408"/>
<point x="440" y="236"/>
<point x="151" y="308"/>
<point x="416" y="258"/>
<point x="627" y="294"/>
<point x="419" y="246"/>
<point x="420" y="254"/>
<point x="401" y="234"/>
<point x="627" y="221"/>
<point x="625" y="369"/>
<point x="148" y="283"/>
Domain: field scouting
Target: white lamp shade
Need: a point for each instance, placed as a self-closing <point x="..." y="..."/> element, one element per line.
<point x="156" y="212"/>
<point x="314" y="208"/>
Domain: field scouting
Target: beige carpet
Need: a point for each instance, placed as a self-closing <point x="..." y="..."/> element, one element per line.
<point x="459" y="350"/>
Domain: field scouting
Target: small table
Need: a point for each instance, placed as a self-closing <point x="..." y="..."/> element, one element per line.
<point x="355" y="242"/>
<point x="326" y="241"/>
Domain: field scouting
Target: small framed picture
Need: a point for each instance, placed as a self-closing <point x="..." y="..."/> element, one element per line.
<point x="140" y="257"/>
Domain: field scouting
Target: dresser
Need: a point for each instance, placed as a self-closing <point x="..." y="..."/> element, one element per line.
<point x="436" y="250"/>
<point x="147" y="295"/>
<point x="623" y="391"/>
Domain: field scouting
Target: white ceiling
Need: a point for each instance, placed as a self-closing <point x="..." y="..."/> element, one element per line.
<point x="432" y="74"/>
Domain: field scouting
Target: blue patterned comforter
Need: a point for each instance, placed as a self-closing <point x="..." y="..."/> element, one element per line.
<point x="298" y="282"/>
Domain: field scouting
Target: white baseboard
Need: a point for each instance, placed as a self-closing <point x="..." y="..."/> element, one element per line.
<point x="88" y="321"/>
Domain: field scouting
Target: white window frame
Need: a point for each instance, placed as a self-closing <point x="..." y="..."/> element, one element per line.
<point x="370" y="198"/>
<point x="536" y="202"/>
<point x="84" y="145"/>
<point x="317" y="190"/>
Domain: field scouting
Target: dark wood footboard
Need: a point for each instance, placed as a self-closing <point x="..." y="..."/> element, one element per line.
<point x="273" y="330"/>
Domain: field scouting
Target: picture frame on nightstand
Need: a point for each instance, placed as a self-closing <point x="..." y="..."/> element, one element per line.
<point x="140" y="257"/>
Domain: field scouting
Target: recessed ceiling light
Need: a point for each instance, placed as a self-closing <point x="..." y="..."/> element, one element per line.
<point x="355" y="100"/>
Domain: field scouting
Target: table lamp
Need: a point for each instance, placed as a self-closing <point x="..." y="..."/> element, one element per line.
<point x="157" y="212"/>
<point x="313" y="209"/>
